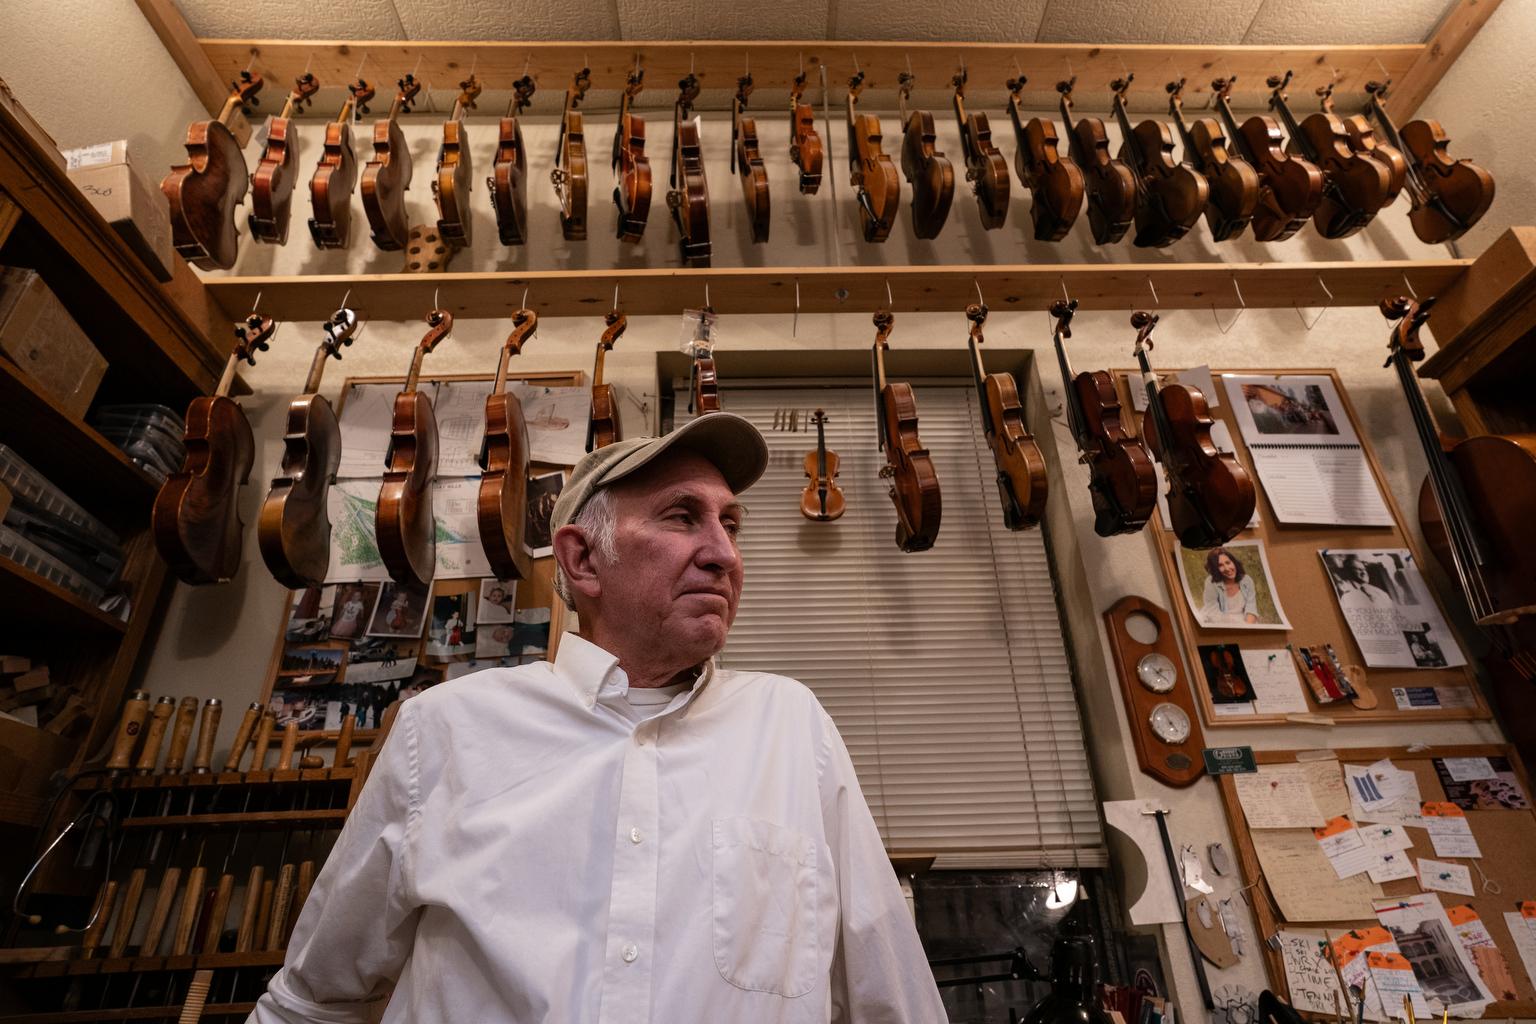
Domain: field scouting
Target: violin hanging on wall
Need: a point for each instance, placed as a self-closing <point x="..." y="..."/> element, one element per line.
<point x="205" y="192"/>
<point x="335" y="177"/>
<point x="1170" y="194"/>
<point x="747" y="161"/>
<point x="703" y="378"/>
<point x="451" y="186"/>
<point x="804" y="144"/>
<point x="1122" y="480"/>
<point x="388" y="175"/>
<point x="1021" y="473"/>
<point x="1234" y="184"/>
<point x="822" y="500"/>
<point x="914" y="484"/>
<point x="1055" y="182"/>
<point x="1290" y="187"/>
<point x="985" y="167"/>
<point x="195" y="521"/>
<point x="294" y="528"/>
<point x="876" y="188"/>
<point x="688" y="198"/>
<point x="1362" y="139"/>
<point x="927" y="170"/>
<point x="273" y="180"/>
<point x="1448" y="196"/>
<point x="603" y="423"/>
<point x="632" y="194"/>
<point x="502" y="505"/>
<point x="403" y="524"/>
<point x="1355" y="185"/>
<point x="569" y="175"/>
<point x="509" y="171"/>
<point x="1111" y="186"/>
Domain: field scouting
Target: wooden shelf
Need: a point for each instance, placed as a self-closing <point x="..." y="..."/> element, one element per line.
<point x="157" y="1013"/>
<point x="738" y="290"/>
<point x="63" y="961"/>
<point x="26" y="598"/>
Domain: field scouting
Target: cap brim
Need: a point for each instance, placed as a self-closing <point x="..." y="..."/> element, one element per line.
<point x="732" y="444"/>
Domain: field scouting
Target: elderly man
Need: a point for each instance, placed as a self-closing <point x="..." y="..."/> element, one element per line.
<point x="629" y="834"/>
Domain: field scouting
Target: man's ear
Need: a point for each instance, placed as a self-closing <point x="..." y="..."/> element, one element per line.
<point x="574" y="555"/>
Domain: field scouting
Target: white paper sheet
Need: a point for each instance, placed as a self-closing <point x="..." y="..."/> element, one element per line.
<point x="1468" y="769"/>
<point x="1345" y="849"/>
<point x="1276" y="686"/>
<point x="1443" y="876"/>
<point x="1304" y="885"/>
<point x="1449" y="831"/>
<point x="1323" y="485"/>
<point x="1278" y="796"/>
<point x="557" y="422"/>
<point x="1390" y="610"/>
<point x="1309" y="976"/>
<point x="352" y="505"/>
<point x="1524" y="937"/>
<point x="366" y="418"/>
<point x="460" y="555"/>
<point x="1446" y="972"/>
<point x="460" y="426"/>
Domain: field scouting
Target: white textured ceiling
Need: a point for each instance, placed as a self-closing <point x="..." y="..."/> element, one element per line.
<point x="1261" y="22"/>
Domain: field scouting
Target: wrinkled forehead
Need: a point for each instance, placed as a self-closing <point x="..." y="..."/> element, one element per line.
<point x="676" y="475"/>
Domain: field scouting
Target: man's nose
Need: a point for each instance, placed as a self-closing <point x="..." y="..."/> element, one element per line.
<point x="717" y="549"/>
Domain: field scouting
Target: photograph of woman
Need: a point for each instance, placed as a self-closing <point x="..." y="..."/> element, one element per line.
<point x="1229" y="587"/>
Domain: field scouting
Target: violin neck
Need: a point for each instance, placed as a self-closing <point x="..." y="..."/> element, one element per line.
<point x="1176" y="109"/>
<point x="416" y="358"/>
<point x="500" y="386"/>
<point x="1123" y="118"/>
<point x="395" y="105"/>
<point x="821" y="450"/>
<point x="979" y="371"/>
<point x="317" y="367"/>
<point x="227" y="379"/>
<point x="346" y="111"/>
<point x="288" y="105"/>
<point x="597" y="365"/>
<point x="1278" y="103"/>
<point x="458" y="111"/>
<point x="227" y="112"/>
<point x="1233" y="134"/>
<point x="1076" y="420"/>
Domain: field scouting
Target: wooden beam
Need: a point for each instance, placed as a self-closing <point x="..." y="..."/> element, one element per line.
<point x="742" y="290"/>
<point x="176" y="36"/>
<point x="1450" y="38"/>
<point x="774" y="64"/>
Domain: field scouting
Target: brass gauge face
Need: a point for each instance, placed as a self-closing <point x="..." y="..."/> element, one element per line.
<point x="1157" y="672"/>
<point x="1169" y="723"/>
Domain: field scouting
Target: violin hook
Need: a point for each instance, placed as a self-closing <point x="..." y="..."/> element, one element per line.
<point x="1242" y="307"/>
<point x="615" y="297"/>
<point x="1310" y="326"/>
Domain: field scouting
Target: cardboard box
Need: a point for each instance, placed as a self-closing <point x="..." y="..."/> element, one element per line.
<point x="38" y="334"/>
<point x="134" y="206"/>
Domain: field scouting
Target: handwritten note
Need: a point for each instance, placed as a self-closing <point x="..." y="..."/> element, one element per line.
<point x="1276" y="686"/>
<point x="1449" y="830"/>
<point x="1308" y="975"/>
<point x="1304" y="883"/>
<point x="1443" y="876"/>
<point x="1325" y="778"/>
<point x="1524" y="936"/>
<point x="1344" y="847"/>
<point x="1278" y="796"/>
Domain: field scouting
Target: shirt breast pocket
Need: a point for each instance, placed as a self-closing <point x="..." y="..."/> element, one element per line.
<point x="765" y="900"/>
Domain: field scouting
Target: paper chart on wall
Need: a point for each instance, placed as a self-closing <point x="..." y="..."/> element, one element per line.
<point x="1426" y="936"/>
<point x="367" y="416"/>
<point x="353" y="506"/>
<point x="460" y="409"/>
<point x="1303" y="882"/>
<point x="460" y="555"/>
<point x="557" y="421"/>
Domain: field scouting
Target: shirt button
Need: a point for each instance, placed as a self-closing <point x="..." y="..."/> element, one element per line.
<point x="630" y="952"/>
<point x="634" y="835"/>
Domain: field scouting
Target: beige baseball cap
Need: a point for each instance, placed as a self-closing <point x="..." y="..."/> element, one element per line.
<point x="732" y="443"/>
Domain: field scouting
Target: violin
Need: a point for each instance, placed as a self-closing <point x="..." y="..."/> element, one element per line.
<point x="403" y="524"/>
<point x="914" y="484"/>
<point x="272" y="182"/>
<point x="1448" y="196"/>
<point x="1362" y="139"/>
<point x="502" y="505"/>
<point x="1021" y="474"/>
<point x="570" y="172"/>
<point x="1055" y="183"/>
<point x="688" y="198"/>
<point x="927" y="170"/>
<point x="387" y="176"/>
<point x="747" y="161"/>
<point x="1234" y="184"/>
<point x="452" y="185"/>
<point x="1289" y="187"/>
<point x="871" y="173"/>
<point x="1111" y="186"/>
<point x="704" y="380"/>
<point x="603" y="423"/>
<point x="804" y="143"/>
<point x="294" y="528"/>
<point x="330" y="188"/>
<point x="509" y="170"/>
<point x="1354" y="184"/>
<point x="1171" y="195"/>
<point x="1210" y="496"/>
<point x="1122" y="480"/>
<point x="196" y="517"/>
<point x="985" y="167"/>
<point x="822" y="500"/>
<point x="632" y="195"/>
<point x="205" y="192"/>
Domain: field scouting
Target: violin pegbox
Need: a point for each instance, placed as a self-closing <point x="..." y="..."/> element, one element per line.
<point x="252" y="335"/>
<point x="339" y="331"/>
<point x="246" y="87"/>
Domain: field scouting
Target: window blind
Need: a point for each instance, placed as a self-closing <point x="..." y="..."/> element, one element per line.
<point x="945" y="671"/>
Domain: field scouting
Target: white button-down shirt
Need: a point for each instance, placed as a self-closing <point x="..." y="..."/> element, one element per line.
<point x="529" y="848"/>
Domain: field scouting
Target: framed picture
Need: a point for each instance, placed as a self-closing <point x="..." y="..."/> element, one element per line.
<point x="401" y="611"/>
<point x="352" y="608"/>
<point x="497" y="601"/>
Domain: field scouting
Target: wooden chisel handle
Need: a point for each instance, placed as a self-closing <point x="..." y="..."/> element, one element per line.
<point x="129" y="728"/>
<point x="344" y="741"/>
<point x="264" y="916"/>
<point x="281" y="897"/>
<point x="290" y="741"/>
<point x="161" y="912"/>
<point x="263" y="741"/>
<point x="98" y="928"/>
<point x="305" y="882"/>
<point x="191" y="903"/>
<point x="242" y="737"/>
<point x="251" y="911"/>
<point x="181" y="735"/>
<point x="132" y="896"/>
<point x="213" y="928"/>
<point x="160" y="717"/>
<point x="197" y="997"/>
<point x="202" y="760"/>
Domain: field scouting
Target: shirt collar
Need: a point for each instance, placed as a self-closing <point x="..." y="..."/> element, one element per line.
<point x="594" y="674"/>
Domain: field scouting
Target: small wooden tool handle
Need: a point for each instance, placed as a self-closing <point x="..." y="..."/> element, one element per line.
<point x="311" y="761"/>
<point x="290" y="741"/>
<point x="344" y="741"/>
<point x="191" y="903"/>
<point x="202" y="760"/>
<point x="280" y="900"/>
<point x="242" y="737"/>
<point x="132" y="896"/>
<point x="264" y="917"/>
<point x="181" y="735"/>
<point x="214" y="927"/>
<point x="161" y="912"/>
<point x="98" y="928"/>
<point x="160" y="717"/>
<point x="129" y="726"/>
<point x="252" y="909"/>
<point x="305" y="882"/>
<point x="197" y="997"/>
<point x="263" y="740"/>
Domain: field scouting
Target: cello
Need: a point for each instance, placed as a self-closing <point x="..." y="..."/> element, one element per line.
<point x="502" y="504"/>
<point x="871" y="173"/>
<point x="1355" y="184"/>
<point x="330" y="188"/>
<point x="1110" y="185"/>
<point x="1122" y="480"/>
<point x="509" y="170"/>
<point x="195" y="521"/>
<point x="985" y="167"/>
<point x="294" y="528"/>
<point x="747" y="161"/>
<point x="926" y="169"/>
<point x="452" y="185"/>
<point x="914" y="484"/>
<point x="1021" y="473"/>
<point x="403" y="523"/>
<point x="1170" y="194"/>
<point x="804" y="143"/>
<point x="204" y="193"/>
<point x="688" y="198"/>
<point x="603" y="422"/>
<point x="1234" y="184"/>
<point x="1448" y="196"/>
<point x="569" y="175"/>
<point x="632" y="195"/>
<point x="1289" y="187"/>
<point x="387" y="176"/>
<point x="1055" y="183"/>
<point x="1210" y="496"/>
<point x="822" y="500"/>
<point x="272" y="182"/>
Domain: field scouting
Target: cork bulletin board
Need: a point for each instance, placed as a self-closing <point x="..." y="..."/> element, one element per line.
<point x="1506" y="838"/>
<point x="1305" y="590"/>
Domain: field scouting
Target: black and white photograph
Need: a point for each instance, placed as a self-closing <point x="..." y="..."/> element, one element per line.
<point x="1387" y="605"/>
<point x="401" y="611"/>
<point x="353" y="608"/>
<point x="451" y="632"/>
<point x="543" y="491"/>
<point x="498" y="598"/>
<point x="530" y="635"/>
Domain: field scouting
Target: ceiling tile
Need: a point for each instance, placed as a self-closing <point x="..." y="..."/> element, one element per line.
<point x="988" y="21"/>
<point x="291" y="19"/>
<point x="1147" y="21"/>
<point x="1344" y="22"/>
<point x="496" y="19"/>
<point x="686" y="19"/>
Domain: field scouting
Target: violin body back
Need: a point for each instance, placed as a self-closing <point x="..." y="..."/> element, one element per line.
<point x="403" y="523"/>
<point x="1175" y="194"/>
<point x="1111" y="186"/>
<point x="1210" y="496"/>
<point x="331" y="188"/>
<point x="1357" y="183"/>
<point x="203" y="195"/>
<point x="1021" y="472"/>
<point x="573" y="171"/>
<point x="509" y="197"/>
<point x="272" y="183"/>
<point x="452" y="185"/>
<point x="1056" y="183"/>
<point x="986" y="170"/>
<point x="502" y="506"/>
<point x="877" y="177"/>
<point x="754" y="179"/>
<point x="1290" y="188"/>
<point x="1234" y="184"/>
<point x="930" y="174"/>
<point x="632" y="195"/>
<point x="1123" y="481"/>
<point x="1462" y="190"/>
<point x="690" y="200"/>
<point x="915" y="484"/>
<point x="294" y="528"/>
<point x="385" y="180"/>
<point x="196" y="517"/>
<point x="805" y="147"/>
